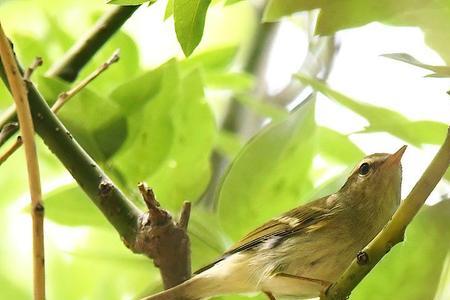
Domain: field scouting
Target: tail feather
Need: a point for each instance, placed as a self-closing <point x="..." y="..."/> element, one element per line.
<point x="195" y="288"/>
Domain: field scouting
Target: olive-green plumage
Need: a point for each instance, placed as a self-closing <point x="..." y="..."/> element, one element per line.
<point x="304" y="250"/>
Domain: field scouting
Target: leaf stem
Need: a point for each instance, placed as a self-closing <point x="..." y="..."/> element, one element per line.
<point x="19" y="93"/>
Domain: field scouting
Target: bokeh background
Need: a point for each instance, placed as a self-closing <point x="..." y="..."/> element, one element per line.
<point x="215" y="129"/>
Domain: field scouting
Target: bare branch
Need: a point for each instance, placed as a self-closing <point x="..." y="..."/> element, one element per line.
<point x="394" y="231"/>
<point x="185" y="215"/>
<point x="85" y="48"/>
<point x="20" y="96"/>
<point x="29" y="71"/>
<point x="66" y="96"/>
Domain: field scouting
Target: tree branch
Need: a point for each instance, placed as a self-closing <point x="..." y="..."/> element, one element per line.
<point x="63" y="98"/>
<point x="119" y="211"/>
<point x="80" y="53"/>
<point x="85" y="48"/>
<point x="164" y="240"/>
<point x="394" y="231"/>
<point x="19" y="93"/>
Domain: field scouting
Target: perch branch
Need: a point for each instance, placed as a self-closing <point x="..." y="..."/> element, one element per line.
<point x="164" y="240"/>
<point x="394" y="231"/>
<point x="63" y="98"/>
<point x="119" y="211"/>
<point x="160" y="242"/>
<point x="19" y="93"/>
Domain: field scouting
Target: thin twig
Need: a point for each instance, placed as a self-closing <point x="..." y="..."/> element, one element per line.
<point x="393" y="233"/>
<point x="185" y="215"/>
<point x="63" y="98"/>
<point x="85" y="48"/>
<point x="7" y="129"/>
<point x="20" y="96"/>
<point x="80" y="53"/>
<point x="11" y="150"/>
<point x="30" y="70"/>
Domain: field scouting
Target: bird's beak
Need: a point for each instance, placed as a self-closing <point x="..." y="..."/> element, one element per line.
<point x="394" y="159"/>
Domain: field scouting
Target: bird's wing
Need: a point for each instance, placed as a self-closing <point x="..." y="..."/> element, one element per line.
<point x="306" y="218"/>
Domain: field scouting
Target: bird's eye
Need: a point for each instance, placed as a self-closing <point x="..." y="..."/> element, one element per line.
<point x="364" y="169"/>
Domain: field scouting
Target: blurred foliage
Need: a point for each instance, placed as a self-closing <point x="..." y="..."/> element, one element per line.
<point x="162" y="125"/>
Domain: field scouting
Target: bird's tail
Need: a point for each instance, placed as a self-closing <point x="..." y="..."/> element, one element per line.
<point x="195" y="288"/>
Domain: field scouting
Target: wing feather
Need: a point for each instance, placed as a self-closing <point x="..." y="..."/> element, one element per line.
<point x="307" y="218"/>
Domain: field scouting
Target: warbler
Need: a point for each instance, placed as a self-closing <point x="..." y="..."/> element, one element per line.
<point x="303" y="251"/>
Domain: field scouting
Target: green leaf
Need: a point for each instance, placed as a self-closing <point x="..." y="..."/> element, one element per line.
<point x="207" y="239"/>
<point x="103" y="251"/>
<point x="275" y="9"/>
<point x="237" y="82"/>
<point x="171" y="138"/>
<point x="185" y="173"/>
<point x="431" y="16"/>
<point x="420" y="257"/>
<point x="69" y="205"/>
<point x="149" y="122"/>
<point x="189" y="16"/>
<point x="211" y="60"/>
<point x="169" y="9"/>
<point x="262" y="107"/>
<point x="126" y="67"/>
<point x="270" y="174"/>
<point x="383" y="119"/>
<point x="231" y="2"/>
<point x="127" y="2"/>
<point x="228" y="143"/>
<point x="133" y="94"/>
<point x="439" y="71"/>
<point x="337" y="146"/>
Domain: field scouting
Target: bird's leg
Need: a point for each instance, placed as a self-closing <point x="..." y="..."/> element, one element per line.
<point x="323" y="283"/>
<point x="270" y="296"/>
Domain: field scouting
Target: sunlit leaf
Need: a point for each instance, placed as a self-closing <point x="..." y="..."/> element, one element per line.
<point x="439" y="71"/>
<point x="149" y="122"/>
<point x="211" y="60"/>
<point x="421" y="257"/>
<point x="186" y="171"/>
<point x="169" y="9"/>
<point x="189" y="16"/>
<point x="128" y="2"/>
<point x="207" y="239"/>
<point x="262" y="107"/>
<point x="237" y="82"/>
<point x="69" y="205"/>
<point x="270" y="174"/>
<point x="228" y="143"/>
<point x="104" y="252"/>
<point x="382" y="119"/>
<point x="337" y="146"/>
<point x="431" y="16"/>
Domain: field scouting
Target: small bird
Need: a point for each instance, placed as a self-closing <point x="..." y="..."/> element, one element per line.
<point x="303" y="251"/>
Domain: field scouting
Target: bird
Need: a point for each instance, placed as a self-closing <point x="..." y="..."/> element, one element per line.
<point x="303" y="251"/>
